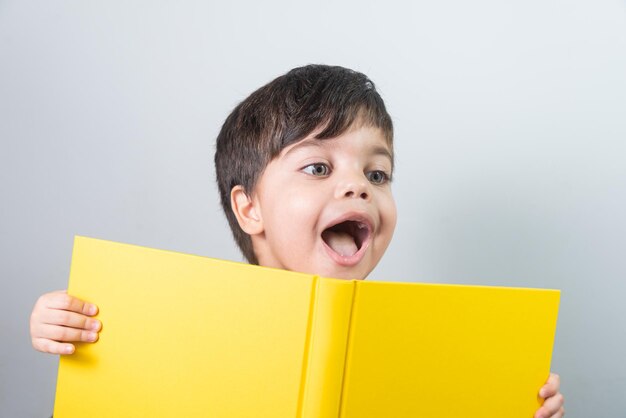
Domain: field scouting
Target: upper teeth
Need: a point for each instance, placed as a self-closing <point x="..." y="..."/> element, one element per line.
<point x="360" y="225"/>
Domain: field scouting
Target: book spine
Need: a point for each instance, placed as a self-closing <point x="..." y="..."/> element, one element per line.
<point x="330" y="323"/>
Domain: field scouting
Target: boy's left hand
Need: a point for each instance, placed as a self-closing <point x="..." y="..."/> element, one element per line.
<point x="553" y="405"/>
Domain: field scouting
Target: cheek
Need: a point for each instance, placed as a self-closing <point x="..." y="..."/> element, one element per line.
<point x="300" y="203"/>
<point x="394" y="217"/>
<point x="389" y="213"/>
<point x="293" y="216"/>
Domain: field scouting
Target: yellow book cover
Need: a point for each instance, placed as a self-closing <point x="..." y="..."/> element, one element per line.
<point x="190" y="336"/>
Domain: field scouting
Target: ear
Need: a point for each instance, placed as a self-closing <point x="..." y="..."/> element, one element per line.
<point x="246" y="211"/>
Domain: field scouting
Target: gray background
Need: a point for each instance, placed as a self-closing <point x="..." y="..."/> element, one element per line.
<point x="510" y="138"/>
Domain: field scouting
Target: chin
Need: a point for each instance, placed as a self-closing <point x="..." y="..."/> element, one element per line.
<point x="354" y="273"/>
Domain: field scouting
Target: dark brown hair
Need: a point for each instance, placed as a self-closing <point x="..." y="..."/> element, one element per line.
<point x="283" y="112"/>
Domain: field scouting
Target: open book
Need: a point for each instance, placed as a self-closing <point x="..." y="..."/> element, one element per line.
<point x="190" y="336"/>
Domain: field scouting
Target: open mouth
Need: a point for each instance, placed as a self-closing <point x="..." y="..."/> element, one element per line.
<point x="346" y="238"/>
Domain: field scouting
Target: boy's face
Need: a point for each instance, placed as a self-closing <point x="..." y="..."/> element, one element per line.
<point x="325" y="206"/>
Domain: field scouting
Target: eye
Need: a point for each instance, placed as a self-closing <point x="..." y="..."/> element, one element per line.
<point x="317" y="169"/>
<point x="377" y="177"/>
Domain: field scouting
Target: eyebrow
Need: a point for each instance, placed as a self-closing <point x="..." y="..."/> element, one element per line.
<point x="315" y="143"/>
<point x="384" y="151"/>
<point x="306" y="143"/>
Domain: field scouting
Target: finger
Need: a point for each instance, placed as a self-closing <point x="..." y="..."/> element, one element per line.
<point x="72" y="320"/>
<point x="551" y="406"/>
<point x="60" y="333"/>
<point x="48" y="346"/>
<point x="551" y="387"/>
<point x="63" y="301"/>
<point x="559" y="414"/>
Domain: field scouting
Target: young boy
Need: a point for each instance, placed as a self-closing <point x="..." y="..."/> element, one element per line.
<point x="304" y="167"/>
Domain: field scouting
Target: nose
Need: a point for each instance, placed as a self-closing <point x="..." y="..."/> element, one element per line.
<point x="354" y="186"/>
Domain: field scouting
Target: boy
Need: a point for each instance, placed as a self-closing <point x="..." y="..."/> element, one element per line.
<point x="304" y="166"/>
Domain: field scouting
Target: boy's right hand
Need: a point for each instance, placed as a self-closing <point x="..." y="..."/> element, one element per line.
<point x="59" y="319"/>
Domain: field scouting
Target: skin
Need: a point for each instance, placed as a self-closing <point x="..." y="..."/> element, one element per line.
<point x="320" y="182"/>
<point x="310" y="185"/>
<point x="59" y="319"/>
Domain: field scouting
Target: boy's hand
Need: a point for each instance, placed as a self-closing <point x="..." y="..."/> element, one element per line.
<point x="59" y="317"/>
<point x="553" y="405"/>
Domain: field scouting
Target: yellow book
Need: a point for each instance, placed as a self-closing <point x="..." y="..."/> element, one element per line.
<point x="190" y="336"/>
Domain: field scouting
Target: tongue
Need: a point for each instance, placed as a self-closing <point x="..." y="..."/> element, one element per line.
<point x="341" y="242"/>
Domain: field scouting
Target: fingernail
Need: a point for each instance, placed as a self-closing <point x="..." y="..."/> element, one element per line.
<point x="69" y="349"/>
<point x="542" y="392"/>
<point x="92" y="309"/>
<point x="91" y="336"/>
<point x="95" y="325"/>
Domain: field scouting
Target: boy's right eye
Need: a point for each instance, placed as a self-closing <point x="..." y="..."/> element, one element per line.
<point x="317" y="169"/>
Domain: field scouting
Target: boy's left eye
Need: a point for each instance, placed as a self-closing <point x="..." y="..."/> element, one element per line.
<point x="377" y="177"/>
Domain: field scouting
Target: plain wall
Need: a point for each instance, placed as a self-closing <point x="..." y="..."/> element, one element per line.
<point x="510" y="138"/>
